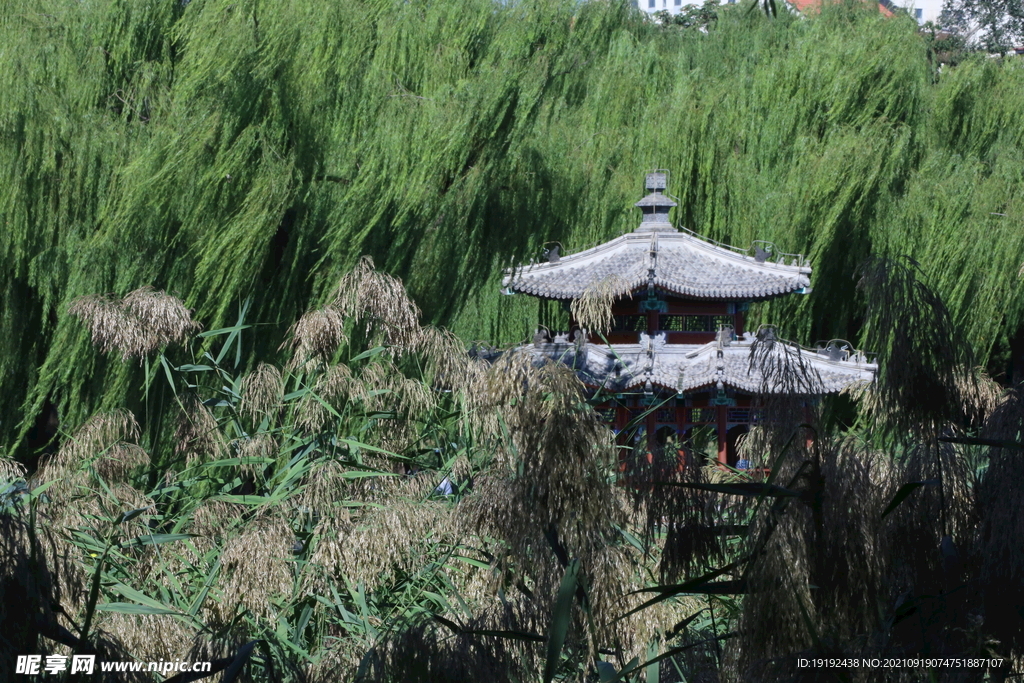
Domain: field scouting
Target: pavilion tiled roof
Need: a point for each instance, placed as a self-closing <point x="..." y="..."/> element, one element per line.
<point x="676" y="262"/>
<point x="780" y="367"/>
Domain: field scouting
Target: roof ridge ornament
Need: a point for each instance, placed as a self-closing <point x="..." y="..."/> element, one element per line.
<point x="656" y="205"/>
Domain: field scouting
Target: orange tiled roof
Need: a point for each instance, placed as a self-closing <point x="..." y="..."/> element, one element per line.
<point x="804" y="6"/>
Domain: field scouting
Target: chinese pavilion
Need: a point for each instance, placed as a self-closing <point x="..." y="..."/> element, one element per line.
<point x="677" y="363"/>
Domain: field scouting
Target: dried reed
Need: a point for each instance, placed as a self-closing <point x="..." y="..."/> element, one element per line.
<point x="317" y="336"/>
<point x="262" y="391"/>
<point x="257" y="568"/>
<point x="197" y="435"/>
<point x="144" y="321"/>
<point x="593" y="310"/>
<point x="11" y="469"/>
<point x="380" y="304"/>
<point x="389" y="539"/>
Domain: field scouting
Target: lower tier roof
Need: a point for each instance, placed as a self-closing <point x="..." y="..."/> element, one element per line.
<point x="747" y="364"/>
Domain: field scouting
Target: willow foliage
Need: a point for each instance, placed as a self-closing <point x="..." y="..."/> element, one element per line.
<point x="225" y="150"/>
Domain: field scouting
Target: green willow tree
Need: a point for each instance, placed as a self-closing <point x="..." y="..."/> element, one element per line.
<point x="994" y="26"/>
<point x="233" y="151"/>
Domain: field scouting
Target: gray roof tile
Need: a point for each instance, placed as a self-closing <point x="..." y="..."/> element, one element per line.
<point x="684" y="367"/>
<point x="673" y="261"/>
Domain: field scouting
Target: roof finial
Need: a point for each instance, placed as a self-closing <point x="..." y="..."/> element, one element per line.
<point x="657" y="181"/>
<point x="656" y="205"/>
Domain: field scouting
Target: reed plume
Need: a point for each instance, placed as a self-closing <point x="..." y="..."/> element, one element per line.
<point x="197" y="435"/>
<point x="593" y="310"/>
<point x="262" y="391"/>
<point x="317" y="335"/>
<point x="379" y="303"/>
<point x="142" y="322"/>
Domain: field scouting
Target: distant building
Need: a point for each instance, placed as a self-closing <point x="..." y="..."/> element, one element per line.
<point x="673" y="7"/>
<point x="886" y="7"/>
<point x="922" y="10"/>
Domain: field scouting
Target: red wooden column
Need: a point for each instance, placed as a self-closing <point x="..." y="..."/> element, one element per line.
<point x="809" y="438"/>
<point x="723" y="457"/>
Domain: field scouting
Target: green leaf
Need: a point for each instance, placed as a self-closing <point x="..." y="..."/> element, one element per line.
<point x="738" y="587"/>
<point x="159" y="539"/>
<point x="197" y="603"/>
<point x="307" y="612"/>
<point x="241" y="657"/>
<point x="352" y="443"/>
<point x="381" y="415"/>
<point x="634" y="666"/>
<point x="975" y="441"/>
<point x="560" y="619"/>
<point x="606" y="672"/>
<point x="39" y="490"/>
<point x="360" y="474"/>
<point x="740" y="489"/>
<point x="439" y="599"/>
<point x="469" y="560"/>
<point x="86" y="541"/>
<point x="688" y="587"/>
<point x="234" y="462"/>
<point x="167" y="372"/>
<point x="296" y="394"/>
<point x="653" y="664"/>
<point x="130" y="515"/>
<point x="224" y="330"/>
<point x="904" y="492"/>
<point x="632" y="540"/>
<point x="132" y="608"/>
<point x="678" y="628"/>
<point x="241" y="500"/>
<point x="369" y="353"/>
<point x="509" y="635"/>
<point x="139" y="597"/>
